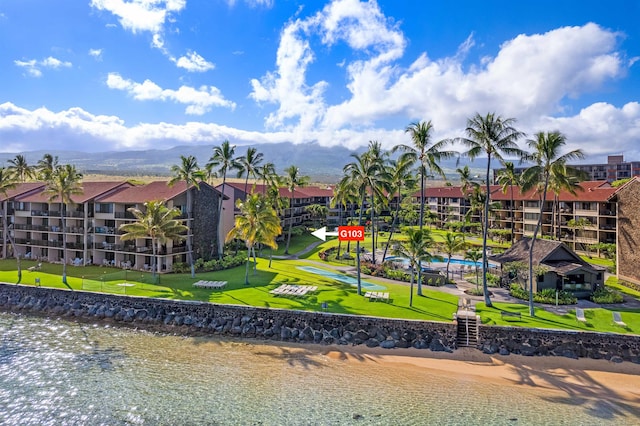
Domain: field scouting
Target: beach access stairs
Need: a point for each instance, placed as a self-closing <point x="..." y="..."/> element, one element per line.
<point x="468" y="332"/>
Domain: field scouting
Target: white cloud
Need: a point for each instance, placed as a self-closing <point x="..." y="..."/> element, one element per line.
<point x="141" y="15"/>
<point x="96" y="53"/>
<point x="199" y="101"/>
<point x="194" y="63"/>
<point x="34" y="67"/>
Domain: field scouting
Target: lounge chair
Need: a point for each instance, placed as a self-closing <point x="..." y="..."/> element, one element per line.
<point x="580" y="315"/>
<point x="617" y="318"/>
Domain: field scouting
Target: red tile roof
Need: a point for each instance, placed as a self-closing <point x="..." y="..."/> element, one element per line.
<point x="305" y="192"/>
<point x="90" y="190"/>
<point x="158" y="190"/>
<point x="20" y="189"/>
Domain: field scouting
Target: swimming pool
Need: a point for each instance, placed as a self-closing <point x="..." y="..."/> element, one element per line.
<point x="463" y="262"/>
<point x="342" y="278"/>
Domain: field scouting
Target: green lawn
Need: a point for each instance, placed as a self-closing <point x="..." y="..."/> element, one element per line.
<point x="599" y="319"/>
<point x="612" y="282"/>
<point x="340" y="298"/>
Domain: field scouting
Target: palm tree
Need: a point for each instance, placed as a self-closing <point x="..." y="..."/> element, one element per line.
<point x="416" y="250"/>
<point x="258" y="223"/>
<point x="360" y="175"/>
<point x="46" y="166"/>
<point x="63" y="183"/>
<point x="7" y="182"/>
<point x="157" y="222"/>
<point x="189" y="172"/>
<point x="266" y="172"/>
<point x="378" y="184"/>
<point x="20" y="168"/>
<point x="277" y="202"/>
<point x="474" y="255"/>
<point x="426" y="154"/>
<point x="452" y="244"/>
<point x="249" y="166"/>
<point x="344" y="195"/>
<point x="493" y="136"/>
<point x="400" y="179"/>
<point x="508" y="179"/>
<point x="293" y="179"/>
<point x="224" y="159"/>
<point x="549" y="165"/>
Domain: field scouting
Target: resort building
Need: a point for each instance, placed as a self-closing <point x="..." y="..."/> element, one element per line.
<point x="628" y="235"/>
<point x="589" y="217"/>
<point x="302" y="198"/>
<point x="614" y="169"/>
<point x="91" y="225"/>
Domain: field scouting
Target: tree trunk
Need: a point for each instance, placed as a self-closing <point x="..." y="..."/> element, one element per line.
<point x="373" y="229"/>
<point x="485" y="231"/>
<point x="246" y="267"/>
<point x="64" y="244"/>
<point x="154" y="266"/>
<point x="533" y="241"/>
<point x="393" y="222"/>
<point x="220" y="227"/>
<point x="411" y="287"/>
<point x="422" y="170"/>
<point x="286" y="249"/>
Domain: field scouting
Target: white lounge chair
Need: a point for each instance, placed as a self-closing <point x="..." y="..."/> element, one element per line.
<point x="617" y="318"/>
<point x="580" y="315"/>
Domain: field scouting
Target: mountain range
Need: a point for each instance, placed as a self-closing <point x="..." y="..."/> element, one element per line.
<point x="322" y="164"/>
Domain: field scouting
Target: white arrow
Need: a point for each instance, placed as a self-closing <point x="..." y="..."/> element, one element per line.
<point x="322" y="233"/>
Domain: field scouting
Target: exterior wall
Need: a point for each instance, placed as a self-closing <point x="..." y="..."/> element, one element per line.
<point x="205" y="222"/>
<point x="628" y="237"/>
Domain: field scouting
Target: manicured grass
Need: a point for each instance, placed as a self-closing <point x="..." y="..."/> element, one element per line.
<point x="598" y="261"/>
<point x="599" y="319"/>
<point x="612" y="282"/>
<point x="340" y="298"/>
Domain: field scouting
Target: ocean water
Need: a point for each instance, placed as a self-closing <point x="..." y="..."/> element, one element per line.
<point x="54" y="372"/>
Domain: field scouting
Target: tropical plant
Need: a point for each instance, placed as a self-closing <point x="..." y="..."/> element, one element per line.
<point x="474" y="255"/>
<point x="293" y="179"/>
<point x="416" y="250"/>
<point x="401" y="179"/>
<point x="45" y="167"/>
<point x="378" y="185"/>
<point x="266" y="172"/>
<point x="344" y="195"/>
<point x="249" y="166"/>
<point x="157" y="222"/>
<point x="549" y="165"/>
<point x="494" y="137"/>
<point x="63" y="183"/>
<point x="257" y="223"/>
<point x="509" y="180"/>
<point x="223" y="158"/>
<point x="452" y="244"/>
<point x="7" y="182"/>
<point x="189" y="172"/>
<point x="318" y="212"/>
<point x="20" y="168"/>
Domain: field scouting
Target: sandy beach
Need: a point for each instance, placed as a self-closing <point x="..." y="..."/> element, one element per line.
<point x="589" y="378"/>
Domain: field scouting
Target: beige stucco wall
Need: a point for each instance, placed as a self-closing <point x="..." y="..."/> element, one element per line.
<point x="628" y="243"/>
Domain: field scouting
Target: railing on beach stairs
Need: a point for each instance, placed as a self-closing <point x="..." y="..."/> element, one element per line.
<point x="467" y="329"/>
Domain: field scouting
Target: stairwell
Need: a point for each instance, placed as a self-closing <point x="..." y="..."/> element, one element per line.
<point x="467" y="335"/>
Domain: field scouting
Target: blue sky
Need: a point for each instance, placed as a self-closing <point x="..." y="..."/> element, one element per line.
<point x="98" y="75"/>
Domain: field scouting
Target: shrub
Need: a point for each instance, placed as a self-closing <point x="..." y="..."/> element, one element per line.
<point x="604" y="296"/>
<point x="547" y="296"/>
<point x="493" y="280"/>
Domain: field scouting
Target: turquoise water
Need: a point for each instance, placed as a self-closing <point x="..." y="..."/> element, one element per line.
<point x="444" y="261"/>
<point x="54" y="372"/>
<point x="342" y="278"/>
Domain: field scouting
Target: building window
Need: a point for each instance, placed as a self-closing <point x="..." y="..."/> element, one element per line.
<point x="104" y="208"/>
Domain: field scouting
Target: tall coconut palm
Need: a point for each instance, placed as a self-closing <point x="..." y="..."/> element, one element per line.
<point x="266" y="172"/>
<point x="258" y="223"/>
<point x="494" y="137"/>
<point x="64" y="182"/>
<point x="293" y="179"/>
<point x="452" y="244"/>
<point x="401" y="178"/>
<point x="20" y="168"/>
<point x="344" y="195"/>
<point x="509" y="181"/>
<point x="7" y="182"/>
<point x="549" y="165"/>
<point x="223" y="159"/>
<point x="249" y="166"/>
<point x="360" y="174"/>
<point x="426" y="154"/>
<point x="189" y="172"/>
<point x="416" y="250"/>
<point x="378" y="185"/>
<point x="277" y="202"/>
<point x="157" y="222"/>
<point x="45" y="166"/>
